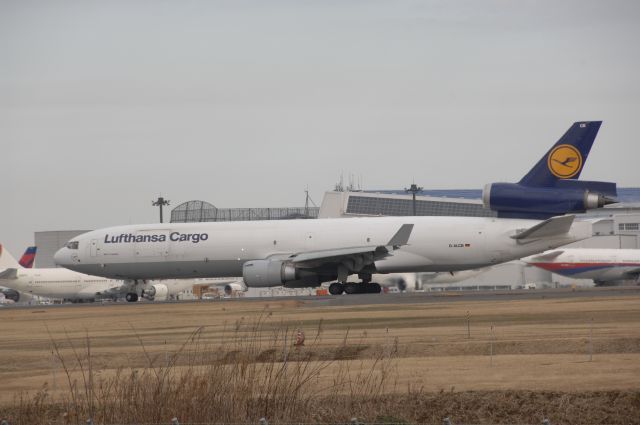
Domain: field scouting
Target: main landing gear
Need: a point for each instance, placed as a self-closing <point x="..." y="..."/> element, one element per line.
<point x="136" y="290"/>
<point x="338" y="288"/>
<point x="131" y="297"/>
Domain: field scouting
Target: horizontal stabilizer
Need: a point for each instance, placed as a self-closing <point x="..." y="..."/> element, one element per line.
<point x="402" y="236"/>
<point x="9" y="274"/>
<point x="554" y="226"/>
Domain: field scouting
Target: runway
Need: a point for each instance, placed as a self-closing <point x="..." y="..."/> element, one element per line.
<point x="407" y="298"/>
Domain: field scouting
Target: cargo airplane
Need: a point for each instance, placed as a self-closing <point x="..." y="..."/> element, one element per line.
<point x="306" y="253"/>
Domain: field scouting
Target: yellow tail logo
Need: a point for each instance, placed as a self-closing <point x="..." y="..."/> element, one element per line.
<point x="564" y="161"/>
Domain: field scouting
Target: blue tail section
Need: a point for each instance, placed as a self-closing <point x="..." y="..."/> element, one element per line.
<point x="28" y="257"/>
<point x="566" y="158"/>
<point x="552" y="187"/>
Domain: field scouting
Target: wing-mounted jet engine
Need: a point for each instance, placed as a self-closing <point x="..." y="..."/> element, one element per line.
<point x="156" y="292"/>
<point x="552" y="187"/>
<point x="10" y="294"/>
<point x="230" y="288"/>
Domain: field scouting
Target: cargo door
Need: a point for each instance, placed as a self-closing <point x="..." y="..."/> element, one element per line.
<point x="93" y="247"/>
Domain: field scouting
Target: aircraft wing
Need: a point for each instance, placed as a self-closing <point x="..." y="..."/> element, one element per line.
<point x="358" y="256"/>
<point x="10" y="273"/>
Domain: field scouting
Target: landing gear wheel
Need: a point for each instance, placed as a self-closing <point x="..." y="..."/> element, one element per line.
<point x="351" y="288"/>
<point x="131" y="297"/>
<point x="336" y="288"/>
<point x="374" y="288"/>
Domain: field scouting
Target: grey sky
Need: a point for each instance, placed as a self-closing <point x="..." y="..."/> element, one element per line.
<point x="106" y="104"/>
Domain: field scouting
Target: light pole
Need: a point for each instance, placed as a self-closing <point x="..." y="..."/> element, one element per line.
<point x="414" y="189"/>
<point x="160" y="202"/>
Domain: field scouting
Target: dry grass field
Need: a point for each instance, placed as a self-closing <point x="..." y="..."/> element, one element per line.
<point x="569" y="359"/>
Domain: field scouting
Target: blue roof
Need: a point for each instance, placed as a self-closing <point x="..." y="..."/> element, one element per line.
<point x="625" y="194"/>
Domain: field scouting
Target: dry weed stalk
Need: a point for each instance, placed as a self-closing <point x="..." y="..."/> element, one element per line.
<point x="254" y="372"/>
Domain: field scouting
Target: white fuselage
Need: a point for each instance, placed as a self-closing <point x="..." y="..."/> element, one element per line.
<point x="60" y="283"/>
<point x="601" y="265"/>
<point x="160" y="251"/>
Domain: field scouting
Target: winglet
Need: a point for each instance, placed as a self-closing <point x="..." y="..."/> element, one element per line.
<point x="402" y="236"/>
<point x="554" y="226"/>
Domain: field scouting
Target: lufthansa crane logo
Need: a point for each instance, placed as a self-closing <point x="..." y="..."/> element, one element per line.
<point x="564" y="161"/>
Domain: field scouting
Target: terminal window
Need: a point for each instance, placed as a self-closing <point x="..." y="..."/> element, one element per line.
<point x="628" y="226"/>
<point x="371" y="205"/>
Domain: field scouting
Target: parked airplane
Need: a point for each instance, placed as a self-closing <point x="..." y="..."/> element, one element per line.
<point x="304" y="253"/>
<point x="73" y="286"/>
<point x="54" y="282"/>
<point x="604" y="266"/>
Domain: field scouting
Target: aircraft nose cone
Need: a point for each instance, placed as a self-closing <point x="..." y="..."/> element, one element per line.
<point x="62" y="257"/>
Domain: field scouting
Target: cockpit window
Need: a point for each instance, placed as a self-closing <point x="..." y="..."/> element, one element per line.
<point x="72" y="245"/>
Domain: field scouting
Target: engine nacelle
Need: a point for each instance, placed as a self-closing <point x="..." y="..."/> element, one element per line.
<point x="157" y="292"/>
<point x="519" y="201"/>
<point x="11" y="294"/>
<point x="266" y="273"/>
<point x="405" y="282"/>
<point x="230" y="288"/>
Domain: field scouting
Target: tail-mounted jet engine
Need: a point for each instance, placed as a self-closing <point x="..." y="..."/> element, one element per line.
<point x="552" y="187"/>
<point x="513" y="200"/>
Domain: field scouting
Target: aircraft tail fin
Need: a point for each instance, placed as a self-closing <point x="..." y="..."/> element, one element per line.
<point x="28" y="257"/>
<point x="566" y="158"/>
<point x="6" y="259"/>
